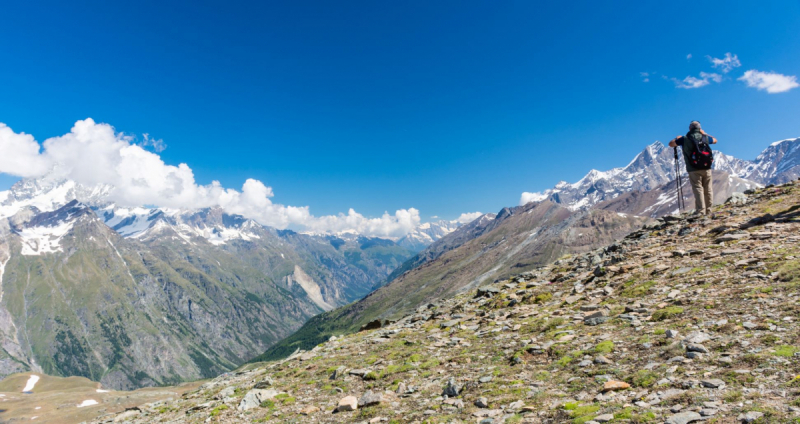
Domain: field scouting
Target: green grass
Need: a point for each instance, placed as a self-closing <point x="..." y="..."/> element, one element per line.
<point x="416" y="357"/>
<point x="582" y="413"/>
<point x="433" y="362"/>
<point x="644" y="378"/>
<point x="564" y="361"/>
<point x="666" y="313"/>
<point x="631" y="289"/>
<point x="604" y="347"/>
<point x="216" y="411"/>
<point x="786" y="351"/>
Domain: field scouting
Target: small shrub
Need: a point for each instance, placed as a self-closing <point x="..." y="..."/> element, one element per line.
<point x="645" y="378"/>
<point x="625" y="414"/>
<point x="564" y="361"/>
<point x="582" y="414"/>
<point x="570" y="406"/>
<point x="433" y="362"/>
<point x="733" y="396"/>
<point x="786" y="351"/>
<point x="636" y="290"/>
<point x="216" y="411"/>
<point x="606" y="346"/>
<point x="669" y="312"/>
<point x="770" y="339"/>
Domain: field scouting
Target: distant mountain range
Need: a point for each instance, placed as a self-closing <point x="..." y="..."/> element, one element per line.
<point x="568" y="219"/>
<point x="655" y="166"/>
<point x="426" y="234"/>
<point x="142" y="297"/>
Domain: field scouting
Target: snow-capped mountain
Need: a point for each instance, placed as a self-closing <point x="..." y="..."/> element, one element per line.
<point x="212" y="224"/>
<point x="136" y="283"/>
<point x="777" y="164"/>
<point x="426" y="234"/>
<point x="655" y="166"/>
<point x="649" y="169"/>
<point x="47" y="194"/>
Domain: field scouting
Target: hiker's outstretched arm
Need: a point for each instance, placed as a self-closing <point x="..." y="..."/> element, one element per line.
<point x="673" y="142"/>
<point x="713" y="139"/>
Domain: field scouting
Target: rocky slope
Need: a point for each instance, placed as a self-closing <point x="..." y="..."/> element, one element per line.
<point x="684" y="320"/>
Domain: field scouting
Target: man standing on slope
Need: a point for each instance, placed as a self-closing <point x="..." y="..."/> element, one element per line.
<point x="698" y="160"/>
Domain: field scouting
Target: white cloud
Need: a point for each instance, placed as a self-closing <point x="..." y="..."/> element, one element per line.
<point x="528" y="197"/>
<point x="93" y="154"/>
<point x="468" y="217"/>
<point x="725" y="64"/>
<point x="645" y="76"/>
<point x="694" y="82"/>
<point x="688" y="56"/>
<point x="156" y="143"/>
<point x="19" y="154"/>
<point x="771" y="82"/>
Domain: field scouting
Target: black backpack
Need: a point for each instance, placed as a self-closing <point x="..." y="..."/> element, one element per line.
<point x="700" y="155"/>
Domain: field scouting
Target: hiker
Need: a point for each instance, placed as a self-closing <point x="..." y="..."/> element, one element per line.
<point x="698" y="158"/>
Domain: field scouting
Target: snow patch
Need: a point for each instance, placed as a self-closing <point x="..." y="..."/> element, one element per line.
<point x="88" y="402"/>
<point x="30" y="384"/>
<point x="102" y="391"/>
<point x="780" y="141"/>
<point x="2" y="271"/>
<point x="41" y="240"/>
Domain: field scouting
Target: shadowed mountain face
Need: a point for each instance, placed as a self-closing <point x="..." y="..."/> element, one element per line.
<point x="185" y="296"/>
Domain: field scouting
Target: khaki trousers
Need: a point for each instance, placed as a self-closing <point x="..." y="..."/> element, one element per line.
<point x="703" y="193"/>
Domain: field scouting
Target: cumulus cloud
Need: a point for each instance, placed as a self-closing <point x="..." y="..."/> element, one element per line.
<point x="771" y="82"/>
<point x="528" y="197"/>
<point x="726" y="64"/>
<point x="694" y="82"/>
<point x="468" y="217"/>
<point x="94" y="154"/>
<point x="19" y="154"/>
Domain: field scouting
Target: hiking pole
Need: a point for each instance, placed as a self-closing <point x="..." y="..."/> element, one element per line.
<point x="678" y="181"/>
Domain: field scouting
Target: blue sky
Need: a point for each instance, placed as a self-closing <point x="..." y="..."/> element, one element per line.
<point x="446" y="107"/>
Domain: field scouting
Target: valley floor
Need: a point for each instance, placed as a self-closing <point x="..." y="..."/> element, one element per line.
<point x="34" y="397"/>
